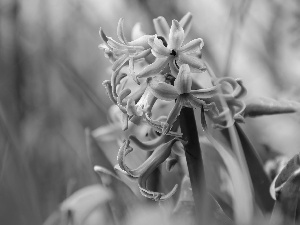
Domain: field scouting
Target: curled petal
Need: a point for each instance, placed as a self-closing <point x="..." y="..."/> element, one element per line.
<point x="172" y="116"/>
<point x="161" y="26"/>
<point x="158" y="126"/>
<point x="123" y="94"/>
<point x="183" y="82"/>
<point x="205" y="93"/>
<point x="120" y="31"/>
<point x="170" y="163"/>
<point x="158" y="65"/>
<point x="176" y="35"/>
<point x="162" y="90"/>
<point x="142" y="54"/>
<point x="104" y="37"/>
<point x="243" y="90"/>
<point x="238" y="108"/>
<point x="238" y="89"/>
<point x="123" y="151"/>
<point x="158" y="156"/>
<point x="148" y="145"/>
<point x="124" y="120"/>
<point x="228" y="120"/>
<point x="178" y="149"/>
<point x="192" y="61"/>
<point x="131" y="108"/>
<point x="138" y="94"/>
<point x="108" y="87"/>
<point x="173" y="67"/>
<point x="158" y="48"/>
<point x="197" y="103"/>
<point x="141" y="42"/>
<point x="186" y="23"/>
<point x="193" y="46"/>
<point x="117" y="65"/>
<point x="118" y="46"/>
<point x="146" y="102"/>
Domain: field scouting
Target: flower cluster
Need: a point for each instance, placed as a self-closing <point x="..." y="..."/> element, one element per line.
<point x="152" y="71"/>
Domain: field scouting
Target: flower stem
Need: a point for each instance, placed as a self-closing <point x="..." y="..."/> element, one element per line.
<point x="194" y="160"/>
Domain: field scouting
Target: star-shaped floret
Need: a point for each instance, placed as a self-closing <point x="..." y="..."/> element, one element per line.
<point x="184" y="95"/>
<point x="175" y="53"/>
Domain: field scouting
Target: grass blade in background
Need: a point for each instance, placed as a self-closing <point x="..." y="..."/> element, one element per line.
<point x="123" y="197"/>
<point x="260" y="180"/>
<point x="84" y="205"/>
<point x="96" y="154"/>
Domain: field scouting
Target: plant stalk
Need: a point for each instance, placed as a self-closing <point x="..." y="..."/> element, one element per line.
<point x="194" y="161"/>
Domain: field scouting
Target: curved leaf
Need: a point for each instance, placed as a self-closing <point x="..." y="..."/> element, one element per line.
<point x="268" y="106"/>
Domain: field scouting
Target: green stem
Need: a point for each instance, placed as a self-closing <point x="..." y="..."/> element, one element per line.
<point x="194" y="160"/>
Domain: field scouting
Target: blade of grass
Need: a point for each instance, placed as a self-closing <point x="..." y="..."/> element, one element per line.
<point x="242" y="195"/>
<point x="260" y="180"/>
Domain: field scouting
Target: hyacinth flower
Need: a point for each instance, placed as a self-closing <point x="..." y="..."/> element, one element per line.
<point x="175" y="53"/>
<point x="142" y="172"/>
<point x="184" y="95"/>
<point x="121" y="53"/>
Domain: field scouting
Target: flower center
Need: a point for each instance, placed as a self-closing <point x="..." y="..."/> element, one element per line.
<point x="173" y="52"/>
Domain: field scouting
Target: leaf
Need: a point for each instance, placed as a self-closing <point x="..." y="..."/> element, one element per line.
<point x="81" y="205"/>
<point x="260" y="180"/>
<point x="185" y="205"/>
<point x="96" y="155"/>
<point x="268" y="106"/>
<point x="242" y="193"/>
<point x="288" y="200"/>
<point x="124" y="199"/>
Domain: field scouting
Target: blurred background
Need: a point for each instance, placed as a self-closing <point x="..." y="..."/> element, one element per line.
<point x="51" y="72"/>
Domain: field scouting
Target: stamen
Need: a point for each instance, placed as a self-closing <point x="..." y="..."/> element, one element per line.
<point x="163" y="40"/>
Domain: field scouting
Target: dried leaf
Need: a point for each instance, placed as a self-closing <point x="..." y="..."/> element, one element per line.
<point x="268" y="106"/>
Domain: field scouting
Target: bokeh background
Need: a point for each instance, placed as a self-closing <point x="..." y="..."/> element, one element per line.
<point x="51" y="73"/>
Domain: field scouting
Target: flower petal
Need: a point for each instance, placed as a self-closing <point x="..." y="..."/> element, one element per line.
<point x="117" y="65"/>
<point x="178" y="149"/>
<point x="176" y="35"/>
<point x="197" y="103"/>
<point x="193" y="46"/>
<point x="170" y="163"/>
<point x="123" y="94"/>
<point x="154" y="68"/>
<point x="183" y="82"/>
<point x="148" y="145"/>
<point x="136" y="31"/>
<point x="157" y="126"/>
<point x="173" y="68"/>
<point x="159" y="155"/>
<point x="162" y="90"/>
<point x="186" y="23"/>
<point x="131" y="108"/>
<point x="104" y="37"/>
<point x="108" y="87"/>
<point x="161" y="26"/>
<point x="192" y="61"/>
<point x="172" y="116"/>
<point x="141" y="41"/>
<point x="205" y="93"/>
<point x="120" y="31"/>
<point x="158" y="47"/>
